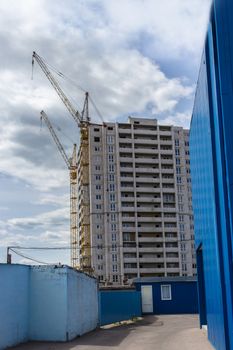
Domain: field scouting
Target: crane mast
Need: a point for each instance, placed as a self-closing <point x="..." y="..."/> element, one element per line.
<point x="71" y="164"/>
<point x="80" y="243"/>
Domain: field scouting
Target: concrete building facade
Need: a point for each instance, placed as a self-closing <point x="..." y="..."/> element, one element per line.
<point x="140" y="201"/>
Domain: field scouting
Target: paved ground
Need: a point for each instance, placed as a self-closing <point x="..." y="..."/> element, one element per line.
<point x="178" y="332"/>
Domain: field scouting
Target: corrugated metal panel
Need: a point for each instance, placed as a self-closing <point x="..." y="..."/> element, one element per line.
<point x="211" y="147"/>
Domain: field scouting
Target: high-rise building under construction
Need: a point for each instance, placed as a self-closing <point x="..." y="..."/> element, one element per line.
<point x="135" y="202"/>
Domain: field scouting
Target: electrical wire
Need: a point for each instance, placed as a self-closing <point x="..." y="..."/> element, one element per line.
<point x="30" y="258"/>
<point x="95" y="246"/>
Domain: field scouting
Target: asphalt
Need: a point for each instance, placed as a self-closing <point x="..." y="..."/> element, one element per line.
<point x="170" y="332"/>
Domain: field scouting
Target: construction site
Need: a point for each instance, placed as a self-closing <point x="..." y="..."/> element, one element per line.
<point x="130" y="217"/>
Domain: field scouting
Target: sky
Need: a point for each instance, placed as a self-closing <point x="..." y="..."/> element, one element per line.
<point x="134" y="57"/>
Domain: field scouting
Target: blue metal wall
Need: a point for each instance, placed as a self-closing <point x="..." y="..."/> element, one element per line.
<point x="120" y="305"/>
<point x="211" y="149"/>
<point x="184" y="297"/>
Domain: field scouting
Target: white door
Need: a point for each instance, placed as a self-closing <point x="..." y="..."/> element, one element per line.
<point x="147" y="299"/>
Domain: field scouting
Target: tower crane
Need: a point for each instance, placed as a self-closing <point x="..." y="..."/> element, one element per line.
<point x="83" y="245"/>
<point x="71" y="164"/>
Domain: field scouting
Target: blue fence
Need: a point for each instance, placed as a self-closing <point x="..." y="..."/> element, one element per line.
<point x="120" y="305"/>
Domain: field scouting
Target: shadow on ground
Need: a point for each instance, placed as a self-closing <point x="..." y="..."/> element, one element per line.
<point x="110" y="336"/>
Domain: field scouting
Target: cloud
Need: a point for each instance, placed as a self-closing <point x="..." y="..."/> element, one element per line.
<point x="178" y="119"/>
<point x="37" y="229"/>
<point x="113" y="49"/>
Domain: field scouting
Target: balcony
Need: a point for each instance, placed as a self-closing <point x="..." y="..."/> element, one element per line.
<point x="126" y="178"/>
<point x="149" y="209"/>
<point x="145" y="141"/>
<point x="128" y="188"/>
<point x="141" y="169"/>
<point x="151" y="260"/>
<point x="150" y="250"/>
<point x="130" y="260"/>
<point x="129" y="249"/>
<point x="173" y="270"/>
<point x="129" y="229"/>
<point x="149" y="219"/>
<point x="130" y="270"/>
<point x="147" y="179"/>
<point x="145" y="150"/>
<point x="148" y="199"/>
<point x="126" y="159"/>
<point x="172" y="249"/>
<point x="167" y="171"/>
<point x="125" y="149"/>
<point x="128" y="219"/>
<point x="168" y="180"/>
<point x="166" y="151"/>
<point x="126" y="168"/>
<point x="149" y="229"/>
<point x="166" y="142"/>
<point x="169" y="190"/>
<point x="167" y="161"/>
<point x="153" y="269"/>
<point x="172" y="260"/>
<point x="150" y="188"/>
<point x="150" y="239"/>
<point x="144" y="131"/>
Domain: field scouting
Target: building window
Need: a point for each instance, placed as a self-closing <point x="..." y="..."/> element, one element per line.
<point x="113" y="217"/>
<point x="98" y="187"/>
<point x="96" y="139"/>
<point x="166" y="293"/>
<point x="114" y="247"/>
<point x="115" y="278"/>
<point x="97" y="149"/>
<point x="111" y="177"/>
<point x="112" y="206"/>
<point x="110" y="158"/>
<point x="113" y="236"/>
<point x="110" y="148"/>
<point x="110" y="139"/>
<point x="178" y="170"/>
<point x="112" y="197"/>
<point x="98" y="206"/>
<point x="97" y="177"/>
<point x="114" y="268"/>
<point x="97" y="167"/>
<point x="98" y="196"/>
<point x="114" y="257"/>
<point x="113" y="227"/>
<point x="179" y="181"/>
<point x="112" y="187"/>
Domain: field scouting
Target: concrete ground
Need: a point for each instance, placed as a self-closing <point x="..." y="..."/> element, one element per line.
<point x="173" y="332"/>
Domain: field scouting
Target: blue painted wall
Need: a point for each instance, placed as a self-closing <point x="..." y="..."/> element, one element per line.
<point x="48" y="304"/>
<point x="82" y="311"/>
<point x="184" y="297"/>
<point x="45" y="303"/>
<point x="211" y="149"/>
<point x="119" y="305"/>
<point x="14" y="296"/>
